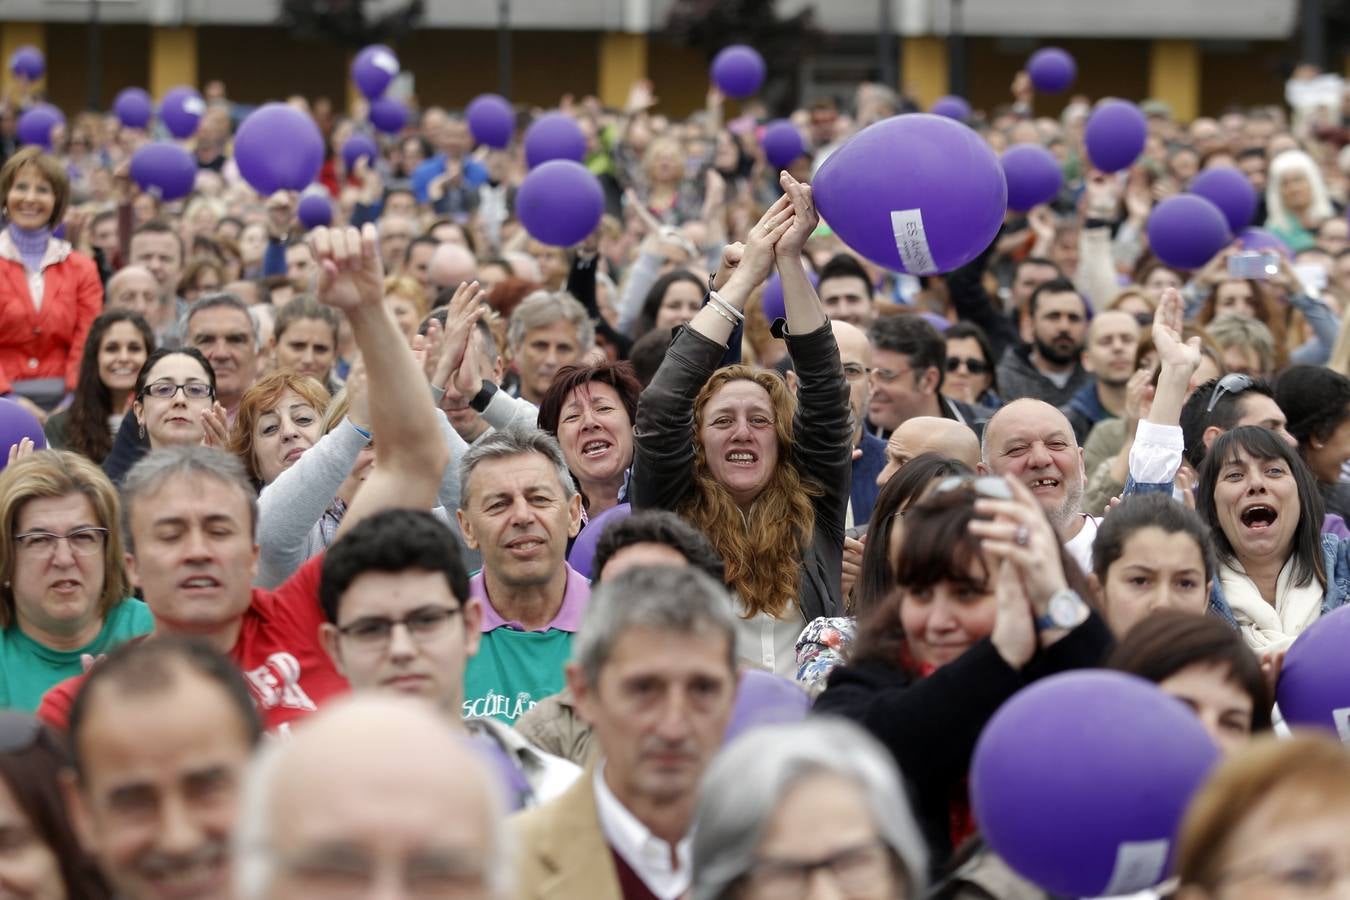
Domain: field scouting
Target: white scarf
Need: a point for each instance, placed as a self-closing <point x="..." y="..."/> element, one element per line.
<point x="1268" y="628"/>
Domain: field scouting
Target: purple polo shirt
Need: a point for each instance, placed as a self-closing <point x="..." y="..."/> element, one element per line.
<point x="575" y="596"/>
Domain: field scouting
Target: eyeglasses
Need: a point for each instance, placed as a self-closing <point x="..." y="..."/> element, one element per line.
<point x="886" y="376"/>
<point x="973" y="366"/>
<point x="985" y="485"/>
<point x="855" y="870"/>
<point x="423" y="624"/>
<point x="339" y="874"/>
<point x="1229" y="384"/>
<point x="42" y="544"/>
<point x="163" y="390"/>
<point x="855" y="372"/>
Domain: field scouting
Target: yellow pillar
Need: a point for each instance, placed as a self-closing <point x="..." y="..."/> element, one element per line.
<point x="173" y="58"/>
<point x="623" y="60"/>
<point x="1174" y="77"/>
<point x="14" y="35"/>
<point x="924" y="69"/>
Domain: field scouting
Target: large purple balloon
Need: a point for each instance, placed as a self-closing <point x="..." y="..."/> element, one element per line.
<point x="952" y="107"/>
<point x="738" y="71"/>
<point x="358" y="146"/>
<point x="35" y="126"/>
<point x="1080" y="781"/>
<point x="554" y="136"/>
<point x="372" y="70"/>
<point x="1052" y="69"/>
<point x="181" y="110"/>
<point x="134" y="107"/>
<point x="17" y="423"/>
<point x="388" y="115"/>
<point x="29" y="62"/>
<point x="763" y="698"/>
<point x="915" y="193"/>
<point x="782" y="143"/>
<point x="491" y="120"/>
<point x="771" y="300"/>
<point x="1314" y="687"/>
<point x="1260" y="239"/>
<point x="278" y="148"/>
<point x="1033" y="175"/>
<point x="164" y="169"/>
<point x="1186" y="231"/>
<point x="560" y="202"/>
<point x="582" y="556"/>
<point x="1229" y="190"/>
<point x="1115" y="135"/>
<point x="315" y="209"/>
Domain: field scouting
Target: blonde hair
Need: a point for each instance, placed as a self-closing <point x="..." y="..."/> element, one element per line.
<point x="406" y="288"/>
<point x="762" y="547"/>
<point x="49" y="474"/>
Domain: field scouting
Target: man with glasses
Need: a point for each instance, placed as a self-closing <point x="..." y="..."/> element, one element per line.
<point x="908" y="362"/>
<point x="400" y="619"/>
<point x="855" y="353"/>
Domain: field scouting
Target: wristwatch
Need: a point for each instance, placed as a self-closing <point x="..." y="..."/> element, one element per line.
<point x="1066" y="610"/>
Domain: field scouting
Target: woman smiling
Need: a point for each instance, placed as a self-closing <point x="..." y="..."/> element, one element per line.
<point x="590" y="410"/>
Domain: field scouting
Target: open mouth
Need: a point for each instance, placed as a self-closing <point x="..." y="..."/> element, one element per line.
<point x="1258" y="517"/>
<point x="742" y="458"/>
<point x="199" y="583"/>
<point x="65" y="585"/>
<point x="595" y="448"/>
<point x="525" y="544"/>
<point x="1043" y="484"/>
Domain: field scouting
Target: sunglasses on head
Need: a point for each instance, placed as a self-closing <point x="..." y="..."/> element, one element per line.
<point x="973" y="366"/>
<point x="1229" y="384"/>
<point x="990" y="486"/>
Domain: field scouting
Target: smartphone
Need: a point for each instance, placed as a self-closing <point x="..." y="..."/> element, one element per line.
<point x="1254" y="265"/>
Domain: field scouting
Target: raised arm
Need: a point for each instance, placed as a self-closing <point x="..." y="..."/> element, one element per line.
<point x="410" y="452"/>
<point x="1157" y="452"/>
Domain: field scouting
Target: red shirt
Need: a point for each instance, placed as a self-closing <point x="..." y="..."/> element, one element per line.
<point x="278" y="650"/>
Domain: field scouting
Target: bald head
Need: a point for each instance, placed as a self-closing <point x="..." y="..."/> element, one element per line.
<point x="135" y="288"/>
<point x="929" y="434"/>
<point x="855" y="355"/>
<point x="375" y="778"/>
<point x="450" y="266"/>
<point x="1032" y="441"/>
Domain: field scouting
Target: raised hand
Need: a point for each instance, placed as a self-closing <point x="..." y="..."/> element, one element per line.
<point x="18" y="451"/>
<point x="1020" y="533"/>
<point x="457" y="367"/>
<point x="1168" y="323"/>
<point x="760" y="243"/>
<point x="1014" y="634"/>
<point x="215" y="431"/>
<point x="358" y="394"/>
<point x="804" y="218"/>
<point x="731" y="258"/>
<point x="351" y="274"/>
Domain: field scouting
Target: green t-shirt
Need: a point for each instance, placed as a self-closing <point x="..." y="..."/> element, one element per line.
<point x="514" y="670"/>
<point x="28" y="669"/>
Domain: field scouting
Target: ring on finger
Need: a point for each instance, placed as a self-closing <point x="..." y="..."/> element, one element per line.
<point x="1022" y="536"/>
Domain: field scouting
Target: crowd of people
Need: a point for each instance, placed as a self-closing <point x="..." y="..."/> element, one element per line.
<point x="294" y="602"/>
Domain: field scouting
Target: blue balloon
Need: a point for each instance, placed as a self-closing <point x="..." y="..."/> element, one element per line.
<point x="315" y="209"/>
<point x="29" y="62"/>
<point x="372" y="70"/>
<point x="181" y="111"/>
<point x="35" y="126"/>
<point x="1187" y="231"/>
<point x="1033" y="175"/>
<point x="164" y="170"/>
<point x="1052" y="69"/>
<point x="134" y="107"/>
<point x="358" y="146"/>
<point x="278" y="148"/>
<point x="554" y="136"/>
<point x="582" y="557"/>
<point x="782" y="143"/>
<point x="738" y="71"/>
<point x="1229" y="190"/>
<point x="952" y="107"/>
<point x="17" y="423"/>
<point x="388" y="116"/>
<point x="491" y="120"/>
<point x="1115" y="135"/>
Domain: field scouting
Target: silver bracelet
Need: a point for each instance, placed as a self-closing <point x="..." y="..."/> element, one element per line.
<point x="723" y="306"/>
<point x="720" y="309"/>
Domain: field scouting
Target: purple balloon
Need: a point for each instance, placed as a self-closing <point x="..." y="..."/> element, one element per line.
<point x="29" y="62"/>
<point x="1260" y="239"/>
<point x="771" y="300"/>
<point x="491" y="120"/>
<point x="738" y="71"/>
<point x="278" y="148"/>
<point x="939" y="322"/>
<point x="35" y="126"/>
<point x="181" y="110"/>
<point x="1229" y="190"/>
<point x="372" y="70"/>
<point x="560" y="202"/>
<point x="928" y="210"/>
<point x="1033" y="176"/>
<point x="17" y="423"/>
<point x="582" y="556"/>
<point x="1186" y="231"/>
<point x="1052" y="69"/>
<point x="134" y="107"/>
<point x="1084" y="771"/>
<point x="763" y="698"/>
<point x="554" y="135"/>
<point x="782" y="143"/>
<point x="1314" y="686"/>
<point x="388" y="116"/>
<point x="358" y="146"/>
<point x="314" y="209"/>
<point x="1115" y="135"/>
<point x="952" y="107"/>
<point x="164" y="170"/>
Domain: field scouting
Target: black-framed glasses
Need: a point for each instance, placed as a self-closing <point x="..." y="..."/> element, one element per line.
<point x="990" y="486"/>
<point x="163" y="390"/>
<point x="1229" y="384"/>
<point x="423" y="624"/>
<point x="973" y="366"/>
<point x="86" y="541"/>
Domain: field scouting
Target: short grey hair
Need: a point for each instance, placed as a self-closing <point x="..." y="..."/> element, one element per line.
<point x="515" y="441"/>
<point x="683" y="600"/>
<point x="749" y="778"/>
<point x="543" y="308"/>
<point x="223" y="301"/>
<point x="191" y="461"/>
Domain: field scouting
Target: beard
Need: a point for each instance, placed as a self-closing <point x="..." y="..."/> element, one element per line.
<point x="1062" y="517"/>
<point x="1052" y="354"/>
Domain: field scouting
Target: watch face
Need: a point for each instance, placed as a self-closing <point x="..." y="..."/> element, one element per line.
<point x="1066" y="609"/>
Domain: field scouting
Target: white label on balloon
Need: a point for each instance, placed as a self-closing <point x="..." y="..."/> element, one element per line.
<point x="1139" y="864"/>
<point x="912" y="241"/>
<point x="1342" y="719"/>
<point x="385" y="62"/>
<point x="194" y="105"/>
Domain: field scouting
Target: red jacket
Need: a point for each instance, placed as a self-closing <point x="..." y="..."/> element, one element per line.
<point x="49" y="342"/>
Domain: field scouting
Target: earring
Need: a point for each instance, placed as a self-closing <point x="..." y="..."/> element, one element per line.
<point x="141" y="430"/>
